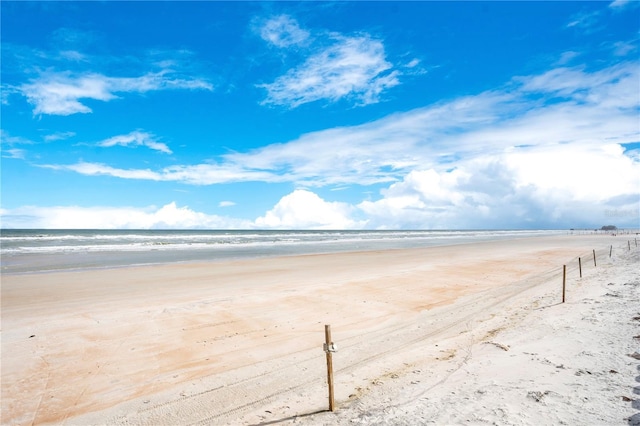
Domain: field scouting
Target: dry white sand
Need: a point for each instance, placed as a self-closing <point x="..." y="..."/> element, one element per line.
<point x="468" y="334"/>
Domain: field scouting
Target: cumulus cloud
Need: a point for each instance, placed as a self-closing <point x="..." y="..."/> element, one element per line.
<point x="169" y="216"/>
<point x="304" y="209"/>
<point x="300" y="209"/>
<point x="530" y="187"/>
<point x="136" y="138"/>
<point x="61" y="93"/>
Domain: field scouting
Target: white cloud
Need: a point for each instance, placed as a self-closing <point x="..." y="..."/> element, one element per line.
<point x="591" y="88"/>
<point x="226" y="204"/>
<point x="210" y="174"/>
<point x="58" y="94"/>
<point x="74" y="217"/>
<point x="200" y="174"/>
<point x="567" y="57"/>
<point x="300" y="209"/>
<point x="545" y="149"/>
<point x="8" y="145"/>
<point x="283" y="31"/>
<point x="544" y="186"/>
<point x="58" y="136"/>
<point x="413" y="63"/>
<point x="353" y="68"/>
<point x="96" y="169"/>
<point x="7" y="139"/>
<point x="16" y="153"/>
<point x="61" y="93"/>
<point x="137" y="138"/>
<point x="303" y="209"/>
<point x="598" y="171"/>
<point x="583" y="108"/>
<point x="618" y="4"/>
<point x="73" y="55"/>
<point x="5" y="92"/>
<point x="585" y="20"/>
<point x="622" y="48"/>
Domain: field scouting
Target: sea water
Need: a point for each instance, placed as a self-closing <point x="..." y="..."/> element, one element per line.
<point x="31" y="250"/>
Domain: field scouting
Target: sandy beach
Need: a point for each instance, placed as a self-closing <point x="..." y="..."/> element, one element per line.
<point x="458" y="334"/>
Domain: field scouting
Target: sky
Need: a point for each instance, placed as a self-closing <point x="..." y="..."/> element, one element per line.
<point x="320" y="115"/>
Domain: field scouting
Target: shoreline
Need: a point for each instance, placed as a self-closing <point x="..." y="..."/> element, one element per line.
<point x="89" y="250"/>
<point x="187" y="334"/>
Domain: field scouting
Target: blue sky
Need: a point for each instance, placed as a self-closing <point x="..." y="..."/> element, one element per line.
<point x="345" y="115"/>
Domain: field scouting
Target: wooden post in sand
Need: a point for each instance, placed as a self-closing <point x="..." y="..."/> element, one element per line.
<point x="329" y="348"/>
<point x="564" y="280"/>
<point x="594" y="257"/>
<point x="610" y="250"/>
<point x="580" y="266"/>
<point x="629" y="244"/>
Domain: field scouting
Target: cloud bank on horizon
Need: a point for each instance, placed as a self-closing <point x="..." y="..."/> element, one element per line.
<point x="309" y="116"/>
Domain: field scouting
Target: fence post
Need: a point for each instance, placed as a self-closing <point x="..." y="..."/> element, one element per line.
<point x="594" y="257"/>
<point x="564" y="280"/>
<point x="629" y="244"/>
<point x="329" y="348"/>
<point x="580" y="266"/>
<point x="610" y="249"/>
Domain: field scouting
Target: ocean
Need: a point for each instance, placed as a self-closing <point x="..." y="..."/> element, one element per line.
<point x="24" y="251"/>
